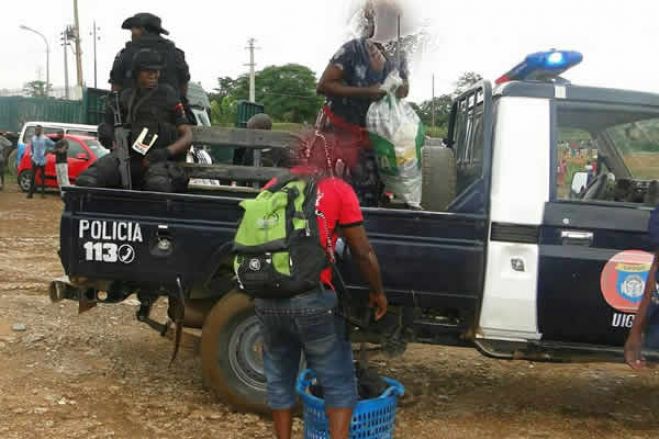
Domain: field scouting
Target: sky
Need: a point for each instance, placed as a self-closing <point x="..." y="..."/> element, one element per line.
<point x="619" y="40"/>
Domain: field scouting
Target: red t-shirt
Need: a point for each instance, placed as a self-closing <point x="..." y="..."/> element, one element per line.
<point x="337" y="201"/>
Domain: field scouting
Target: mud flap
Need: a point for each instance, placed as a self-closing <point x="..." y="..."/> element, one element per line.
<point x="179" y="312"/>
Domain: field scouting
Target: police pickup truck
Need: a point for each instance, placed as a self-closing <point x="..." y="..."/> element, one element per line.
<point x="531" y="243"/>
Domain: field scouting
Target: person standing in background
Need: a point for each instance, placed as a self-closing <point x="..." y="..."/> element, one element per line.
<point x="4" y="144"/>
<point x="61" y="162"/>
<point x="40" y="143"/>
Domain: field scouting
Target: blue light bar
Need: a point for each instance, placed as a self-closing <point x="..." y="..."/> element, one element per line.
<point x="542" y="65"/>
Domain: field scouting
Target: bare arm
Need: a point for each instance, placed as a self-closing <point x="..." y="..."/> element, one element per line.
<point x="331" y="84"/>
<point x="634" y="344"/>
<point x="183" y="142"/>
<point x="369" y="266"/>
<point x="403" y="90"/>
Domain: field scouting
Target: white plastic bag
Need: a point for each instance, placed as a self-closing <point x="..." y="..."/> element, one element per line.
<point x="397" y="135"/>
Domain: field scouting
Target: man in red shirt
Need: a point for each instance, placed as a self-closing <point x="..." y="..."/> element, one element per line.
<point x="310" y="323"/>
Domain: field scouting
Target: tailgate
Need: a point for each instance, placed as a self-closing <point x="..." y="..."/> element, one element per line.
<point x="144" y="237"/>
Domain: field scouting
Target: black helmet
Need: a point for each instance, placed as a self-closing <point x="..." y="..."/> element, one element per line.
<point x="148" y="21"/>
<point x="147" y="59"/>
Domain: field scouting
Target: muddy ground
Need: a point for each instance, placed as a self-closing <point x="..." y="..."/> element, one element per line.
<point x="103" y="374"/>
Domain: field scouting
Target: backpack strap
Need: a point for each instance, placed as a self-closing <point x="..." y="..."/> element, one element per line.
<point x="282" y="181"/>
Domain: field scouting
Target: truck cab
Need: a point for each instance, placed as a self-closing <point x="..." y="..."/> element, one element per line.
<point x="565" y="178"/>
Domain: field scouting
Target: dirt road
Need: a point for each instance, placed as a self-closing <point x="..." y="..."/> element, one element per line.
<point x="103" y="374"/>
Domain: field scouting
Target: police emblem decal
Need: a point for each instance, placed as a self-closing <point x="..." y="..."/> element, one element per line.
<point x="623" y="278"/>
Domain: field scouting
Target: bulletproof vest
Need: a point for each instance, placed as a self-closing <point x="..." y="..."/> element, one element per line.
<point x="166" y="49"/>
<point x="150" y="109"/>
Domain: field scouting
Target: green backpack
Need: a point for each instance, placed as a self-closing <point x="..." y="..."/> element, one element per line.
<point x="277" y="245"/>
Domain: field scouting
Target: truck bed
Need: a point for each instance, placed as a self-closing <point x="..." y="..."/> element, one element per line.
<point x="429" y="260"/>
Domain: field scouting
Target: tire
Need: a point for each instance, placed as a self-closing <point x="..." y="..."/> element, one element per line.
<point x="439" y="178"/>
<point x="230" y="354"/>
<point x="25" y="180"/>
<point x="11" y="162"/>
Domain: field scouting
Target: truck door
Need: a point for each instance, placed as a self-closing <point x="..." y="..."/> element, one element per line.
<point x="434" y="260"/>
<point x="594" y="252"/>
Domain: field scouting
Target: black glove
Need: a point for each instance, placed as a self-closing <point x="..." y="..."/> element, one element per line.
<point x="158" y="155"/>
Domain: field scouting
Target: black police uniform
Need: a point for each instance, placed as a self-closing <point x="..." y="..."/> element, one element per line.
<point x="160" y="110"/>
<point x="175" y="71"/>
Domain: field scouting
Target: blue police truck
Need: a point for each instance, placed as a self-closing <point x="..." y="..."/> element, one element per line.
<point x="531" y="243"/>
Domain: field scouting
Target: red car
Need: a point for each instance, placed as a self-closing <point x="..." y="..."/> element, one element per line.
<point x="83" y="151"/>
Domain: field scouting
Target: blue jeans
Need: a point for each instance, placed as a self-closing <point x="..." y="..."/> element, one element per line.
<point x="306" y="323"/>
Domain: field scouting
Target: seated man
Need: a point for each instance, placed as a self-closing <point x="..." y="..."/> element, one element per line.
<point x="152" y="109"/>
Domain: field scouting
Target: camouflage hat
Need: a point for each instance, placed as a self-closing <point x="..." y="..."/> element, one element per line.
<point x="146" y="20"/>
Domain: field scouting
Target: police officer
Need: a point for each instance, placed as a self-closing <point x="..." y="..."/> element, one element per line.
<point x="146" y="30"/>
<point x="152" y="108"/>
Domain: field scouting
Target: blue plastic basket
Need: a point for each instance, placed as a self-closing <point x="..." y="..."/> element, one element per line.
<point x="372" y="418"/>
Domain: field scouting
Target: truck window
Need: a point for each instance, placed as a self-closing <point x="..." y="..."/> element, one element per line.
<point x="605" y="153"/>
<point x="77" y="132"/>
<point x="468" y="140"/>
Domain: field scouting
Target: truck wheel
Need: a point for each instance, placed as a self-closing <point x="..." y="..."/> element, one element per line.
<point x="25" y="180"/>
<point x="231" y="361"/>
<point x="11" y="162"/>
<point x="439" y="178"/>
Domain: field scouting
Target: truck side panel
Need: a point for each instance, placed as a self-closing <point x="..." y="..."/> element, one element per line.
<point x="167" y="237"/>
<point x="429" y="260"/>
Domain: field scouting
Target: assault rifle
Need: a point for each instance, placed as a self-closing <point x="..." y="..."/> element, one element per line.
<point x="121" y="141"/>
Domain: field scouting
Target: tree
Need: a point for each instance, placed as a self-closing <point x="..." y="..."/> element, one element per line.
<point x="465" y="81"/>
<point x="444" y="103"/>
<point x="222" y="105"/>
<point x="288" y="93"/>
<point x="442" y="110"/>
<point x="37" y="89"/>
<point x="225" y="85"/>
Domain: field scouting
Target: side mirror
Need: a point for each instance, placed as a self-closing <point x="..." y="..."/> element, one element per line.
<point x="82" y="156"/>
<point x="579" y="183"/>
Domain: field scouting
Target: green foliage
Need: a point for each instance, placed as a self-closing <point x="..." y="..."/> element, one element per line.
<point x="440" y="132"/>
<point x="37" y="89"/>
<point x="465" y="82"/>
<point x="288" y="93"/>
<point x="443" y="106"/>
<point x="442" y="111"/>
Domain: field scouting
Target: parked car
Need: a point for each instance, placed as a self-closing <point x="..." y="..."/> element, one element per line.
<point x="48" y="128"/>
<point x="83" y="151"/>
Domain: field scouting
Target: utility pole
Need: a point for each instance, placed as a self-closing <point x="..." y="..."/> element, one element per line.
<point x="252" y="73"/>
<point x="96" y="38"/>
<point x="66" y="36"/>
<point x="78" y="51"/>
<point x="433" y="99"/>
